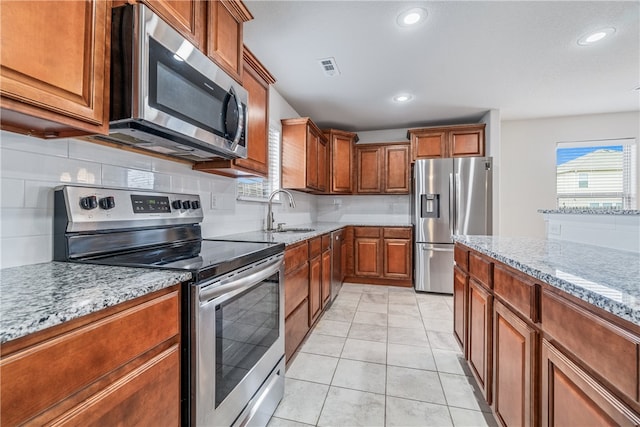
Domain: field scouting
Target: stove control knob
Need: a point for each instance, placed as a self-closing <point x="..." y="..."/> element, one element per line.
<point x="186" y="204"/>
<point x="176" y="204"/>
<point x="107" y="203"/>
<point x="195" y="204"/>
<point x="88" y="203"/>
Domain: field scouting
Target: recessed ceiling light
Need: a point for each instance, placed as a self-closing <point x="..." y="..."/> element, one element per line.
<point x="595" y="36"/>
<point x="403" y="98"/>
<point x="411" y="17"/>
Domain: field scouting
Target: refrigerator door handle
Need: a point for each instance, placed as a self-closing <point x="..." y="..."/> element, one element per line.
<point x="451" y="207"/>
<point x="458" y="201"/>
<point x="426" y="248"/>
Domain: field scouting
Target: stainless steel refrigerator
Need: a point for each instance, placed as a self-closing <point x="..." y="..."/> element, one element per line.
<point x="450" y="196"/>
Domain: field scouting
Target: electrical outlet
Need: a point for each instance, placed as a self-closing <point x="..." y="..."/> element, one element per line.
<point x="215" y="201"/>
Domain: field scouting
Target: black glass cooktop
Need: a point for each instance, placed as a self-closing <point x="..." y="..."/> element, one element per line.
<point x="204" y="258"/>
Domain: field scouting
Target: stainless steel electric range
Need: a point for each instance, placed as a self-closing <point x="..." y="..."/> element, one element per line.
<point x="233" y="309"/>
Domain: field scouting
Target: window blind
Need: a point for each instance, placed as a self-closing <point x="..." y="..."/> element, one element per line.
<point x="258" y="189"/>
<point x="596" y="174"/>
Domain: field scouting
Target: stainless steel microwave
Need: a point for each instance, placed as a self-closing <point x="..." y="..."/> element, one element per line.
<point x="167" y="96"/>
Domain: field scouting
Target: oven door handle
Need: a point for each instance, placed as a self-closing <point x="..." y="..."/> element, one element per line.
<point x="241" y="281"/>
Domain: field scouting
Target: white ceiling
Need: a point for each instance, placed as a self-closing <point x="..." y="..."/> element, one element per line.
<point x="520" y="57"/>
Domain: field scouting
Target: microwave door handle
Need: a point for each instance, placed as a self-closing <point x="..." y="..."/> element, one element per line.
<point x="240" y="127"/>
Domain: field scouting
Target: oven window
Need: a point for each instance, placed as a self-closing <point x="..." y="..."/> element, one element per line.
<point x="246" y="326"/>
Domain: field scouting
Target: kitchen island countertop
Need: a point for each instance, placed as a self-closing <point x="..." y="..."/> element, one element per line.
<point x="38" y="296"/>
<point x="289" y="238"/>
<point x="606" y="278"/>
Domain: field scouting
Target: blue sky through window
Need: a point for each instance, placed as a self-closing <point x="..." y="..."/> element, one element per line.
<point x="563" y="155"/>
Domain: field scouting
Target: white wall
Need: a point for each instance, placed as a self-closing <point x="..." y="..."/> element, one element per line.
<point x="492" y="138"/>
<point x="527" y="176"/>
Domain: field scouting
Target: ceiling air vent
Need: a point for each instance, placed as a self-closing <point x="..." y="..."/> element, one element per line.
<point x="329" y="66"/>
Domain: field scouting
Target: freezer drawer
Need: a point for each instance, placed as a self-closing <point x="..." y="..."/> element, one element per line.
<point x="434" y="268"/>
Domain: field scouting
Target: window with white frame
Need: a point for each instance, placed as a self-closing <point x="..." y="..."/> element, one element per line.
<point x="258" y="189"/>
<point x="596" y="174"/>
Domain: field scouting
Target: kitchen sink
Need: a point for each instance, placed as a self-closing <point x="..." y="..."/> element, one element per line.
<point x="294" y="230"/>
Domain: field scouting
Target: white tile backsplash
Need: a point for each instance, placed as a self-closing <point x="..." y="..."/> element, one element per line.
<point x="48" y="147"/>
<point x="12" y="193"/>
<point x="31" y="168"/>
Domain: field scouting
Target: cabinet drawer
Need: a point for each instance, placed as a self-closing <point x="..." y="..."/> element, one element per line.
<point x="315" y="247"/>
<point x="127" y="400"/>
<point x="295" y="256"/>
<point x="398" y="233"/>
<point x="516" y="291"/>
<point x="296" y="327"/>
<point x="326" y="242"/>
<point x="296" y="288"/>
<point x="605" y="348"/>
<point x="481" y="269"/>
<point x="366" y="231"/>
<point x="461" y="257"/>
<point x="39" y="376"/>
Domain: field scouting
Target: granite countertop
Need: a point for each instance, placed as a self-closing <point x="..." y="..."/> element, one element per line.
<point x="289" y="238"/>
<point x="606" y="278"/>
<point x="587" y="211"/>
<point x="38" y="296"/>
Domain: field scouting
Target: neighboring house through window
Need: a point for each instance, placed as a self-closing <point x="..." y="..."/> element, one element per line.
<point x="596" y="174"/>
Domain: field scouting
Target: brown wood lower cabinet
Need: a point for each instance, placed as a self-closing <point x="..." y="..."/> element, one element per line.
<point x="296" y="296"/>
<point x="479" y="336"/>
<point x="381" y="255"/>
<point x="307" y="284"/>
<point x="514" y="372"/>
<point x="571" y="397"/>
<point x="119" y="366"/>
<point x="543" y="357"/>
<point x="460" y="291"/>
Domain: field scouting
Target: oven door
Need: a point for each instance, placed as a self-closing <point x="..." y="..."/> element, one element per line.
<point x="239" y="346"/>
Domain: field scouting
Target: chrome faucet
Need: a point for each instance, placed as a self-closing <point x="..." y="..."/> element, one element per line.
<point x="292" y="203"/>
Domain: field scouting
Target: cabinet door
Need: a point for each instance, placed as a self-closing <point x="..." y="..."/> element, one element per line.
<point x="514" y="373"/>
<point x="315" y="288"/>
<point x="53" y="66"/>
<point x="369" y="162"/>
<point x="224" y="34"/>
<point x="312" y="159"/>
<point x="326" y="277"/>
<point x="480" y="312"/>
<point x="186" y="16"/>
<point x="396" y="169"/>
<point x="258" y="127"/>
<point x="460" y="291"/>
<point x="322" y="163"/>
<point x="296" y="326"/>
<point x="341" y="172"/>
<point x="366" y="259"/>
<point x="429" y="145"/>
<point x="571" y="397"/>
<point x="466" y="143"/>
<point x="397" y="259"/>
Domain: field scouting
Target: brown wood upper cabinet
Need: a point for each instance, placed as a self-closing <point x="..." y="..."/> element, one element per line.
<point x="340" y="172"/>
<point x="54" y="67"/>
<point x="188" y="17"/>
<point x="382" y="168"/>
<point x="304" y="155"/>
<point x="256" y="80"/>
<point x="449" y="141"/>
<point x="224" y="34"/>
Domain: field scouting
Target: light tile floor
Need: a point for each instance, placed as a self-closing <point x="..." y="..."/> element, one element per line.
<point x="382" y="356"/>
